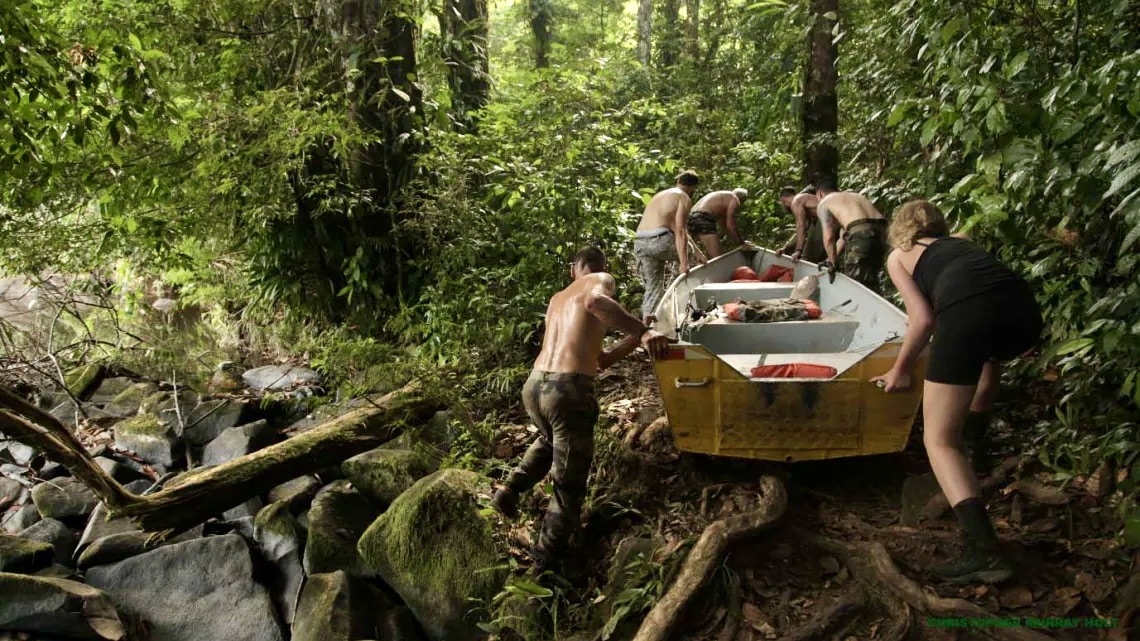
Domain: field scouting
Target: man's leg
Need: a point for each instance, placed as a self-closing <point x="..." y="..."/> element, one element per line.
<point x="573" y="454"/>
<point x="711" y="243"/>
<point x="535" y="462"/>
<point x="652" y="270"/>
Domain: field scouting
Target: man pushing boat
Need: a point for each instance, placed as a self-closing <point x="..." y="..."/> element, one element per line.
<point x="861" y="231"/>
<point x="559" y="397"/>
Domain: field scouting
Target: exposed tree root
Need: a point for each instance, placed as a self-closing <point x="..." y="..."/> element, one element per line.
<point x="834" y="618"/>
<point x="937" y="505"/>
<point x="872" y="564"/>
<point x="706" y="556"/>
<point x="201" y="494"/>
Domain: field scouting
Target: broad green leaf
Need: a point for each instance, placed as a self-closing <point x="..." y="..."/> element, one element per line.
<point x="898" y="113"/>
<point x="1075" y="345"/>
<point x="951" y="28"/>
<point x="1122" y="180"/>
<point x="1015" y="66"/>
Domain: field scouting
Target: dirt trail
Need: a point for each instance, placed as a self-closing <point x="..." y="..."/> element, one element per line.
<point x="1072" y="565"/>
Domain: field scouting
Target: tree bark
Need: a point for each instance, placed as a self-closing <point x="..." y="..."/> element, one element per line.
<point x="464" y="24"/>
<point x="644" y="31"/>
<point x="540" y="15"/>
<point x="693" y="29"/>
<point x="202" y="494"/>
<point x="820" y="106"/>
<point x="670" y="32"/>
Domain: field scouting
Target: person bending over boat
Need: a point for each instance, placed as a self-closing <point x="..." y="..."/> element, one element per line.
<point x="812" y="248"/>
<point x="559" y="398"/>
<point x="662" y="236"/>
<point x="714" y="210"/>
<point x="979" y="312"/>
<point x="862" y="230"/>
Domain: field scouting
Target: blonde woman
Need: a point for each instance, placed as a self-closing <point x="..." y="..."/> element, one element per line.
<point x="979" y="312"/>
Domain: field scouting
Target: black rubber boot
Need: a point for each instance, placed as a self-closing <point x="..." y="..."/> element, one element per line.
<point x="983" y="561"/>
<point x="976" y="437"/>
<point x="506" y="501"/>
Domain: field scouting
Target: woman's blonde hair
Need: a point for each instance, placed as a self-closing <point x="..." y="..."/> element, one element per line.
<point x="916" y="219"/>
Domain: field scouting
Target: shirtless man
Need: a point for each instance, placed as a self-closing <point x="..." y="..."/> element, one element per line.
<point x="863" y="230"/>
<point x="714" y="210"/>
<point x="559" y="397"/>
<point x="662" y="236"/>
<point x="810" y="248"/>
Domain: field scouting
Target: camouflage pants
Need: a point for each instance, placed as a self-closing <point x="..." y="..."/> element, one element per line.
<point x="765" y="311"/>
<point x="563" y="408"/>
<point x="866" y="252"/>
<point x="652" y="254"/>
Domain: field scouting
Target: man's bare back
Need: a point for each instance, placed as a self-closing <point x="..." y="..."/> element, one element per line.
<point x="573" y="338"/>
<point x="662" y="210"/>
<point x="845" y="207"/>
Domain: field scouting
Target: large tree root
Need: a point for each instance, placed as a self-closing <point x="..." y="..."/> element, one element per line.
<point x="706" y="556"/>
<point x="836" y="616"/>
<point x="201" y="494"/>
<point x="937" y="505"/>
<point x="872" y="564"/>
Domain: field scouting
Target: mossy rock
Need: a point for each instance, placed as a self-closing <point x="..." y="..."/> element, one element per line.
<point x="339" y="516"/>
<point x="83" y="380"/>
<point x="128" y="401"/>
<point x="149" y="437"/>
<point x="382" y="474"/>
<point x="24" y="556"/>
<point x="436" y="549"/>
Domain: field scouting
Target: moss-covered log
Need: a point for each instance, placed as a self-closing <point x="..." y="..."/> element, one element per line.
<point x="199" y="495"/>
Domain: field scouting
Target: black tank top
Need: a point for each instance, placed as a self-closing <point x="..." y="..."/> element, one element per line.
<point x="953" y="269"/>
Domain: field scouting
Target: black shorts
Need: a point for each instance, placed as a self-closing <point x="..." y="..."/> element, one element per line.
<point x="702" y="223"/>
<point x="997" y="325"/>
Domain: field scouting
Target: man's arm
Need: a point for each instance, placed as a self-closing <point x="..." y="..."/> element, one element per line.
<point x="618" y="351"/>
<point x="730" y="223"/>
<point x="681" y="231"/>
<point x="600" y="304"/>
<point x="825" y="219"/>
<point x="799" y="209"/>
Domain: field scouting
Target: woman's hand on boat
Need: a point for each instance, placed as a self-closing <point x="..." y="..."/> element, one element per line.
<point x="893" y="381"/>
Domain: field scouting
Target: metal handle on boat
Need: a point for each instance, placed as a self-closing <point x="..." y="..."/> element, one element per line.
<point x="697" y="383"/>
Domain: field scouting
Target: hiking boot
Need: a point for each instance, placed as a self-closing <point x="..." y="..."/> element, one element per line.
<point x="976" y="566"/>
<point x="506" y="502"/>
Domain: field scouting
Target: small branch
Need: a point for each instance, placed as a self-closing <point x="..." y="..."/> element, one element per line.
<point x="937" y="505"/>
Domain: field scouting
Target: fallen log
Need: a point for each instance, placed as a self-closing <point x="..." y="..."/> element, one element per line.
<point x="200" y="494"/>
<point x="706" y="556"/>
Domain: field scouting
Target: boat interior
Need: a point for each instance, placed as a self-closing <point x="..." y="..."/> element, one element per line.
<point x="854" y="321"/>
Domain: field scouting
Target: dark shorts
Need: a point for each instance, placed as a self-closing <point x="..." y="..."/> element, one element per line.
<point x="997" y="325"/>
<point x="702" y="223"/>
<point x="866" y="251"/>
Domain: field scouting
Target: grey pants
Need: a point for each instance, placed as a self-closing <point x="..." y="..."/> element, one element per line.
<point x="652" y="255"/>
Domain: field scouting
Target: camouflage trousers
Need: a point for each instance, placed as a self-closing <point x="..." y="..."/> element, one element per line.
<point x="652" y="253"/>
<point x="866" y="252"/>
<point x="563" y="408"/>
<point x="769" y="311"/>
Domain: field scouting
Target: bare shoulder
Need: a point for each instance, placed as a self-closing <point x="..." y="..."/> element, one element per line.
<point x="604" y="280"/>
<point x="807" y="200"/>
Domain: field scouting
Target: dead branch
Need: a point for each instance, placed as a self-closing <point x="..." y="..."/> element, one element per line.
<point x="201" y="494"/>
<point x="706" y="556"/>
<point x="937" y="505"/>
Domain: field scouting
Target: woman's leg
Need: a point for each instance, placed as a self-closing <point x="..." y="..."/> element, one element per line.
<point x="978" y="419"/>
<point x="944" y="409"/>
<point x="984" y="397"/>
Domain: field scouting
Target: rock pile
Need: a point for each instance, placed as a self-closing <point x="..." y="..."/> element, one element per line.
<point x="383" y="546"/>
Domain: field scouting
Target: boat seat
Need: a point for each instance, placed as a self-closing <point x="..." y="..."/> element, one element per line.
<point x="743" y="363"/>
<point x="729" y="292"/>
<point x="833" y="332"/>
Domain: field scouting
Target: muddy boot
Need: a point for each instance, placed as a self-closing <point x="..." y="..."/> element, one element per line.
<point x="983" y="561"/>
<point x="506" y="502"/>
<point x="978" y="446"/>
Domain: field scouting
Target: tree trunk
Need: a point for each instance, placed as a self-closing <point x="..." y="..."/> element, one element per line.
<point x="670" y="32"/>
<point x="540" y="14"/>
<point x="692" y="29"/>
<point x="821" y="108"/>
<point x="644" y="30"/>
<point x="464" y="24"/>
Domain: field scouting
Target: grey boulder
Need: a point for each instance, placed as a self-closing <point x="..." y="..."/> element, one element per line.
<point x="280" y="377"/>
<point x="48" y="605"/>
<point x="237" y="442"/>
<point x="63" y="498"/>
<point x="200" y="589"/>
